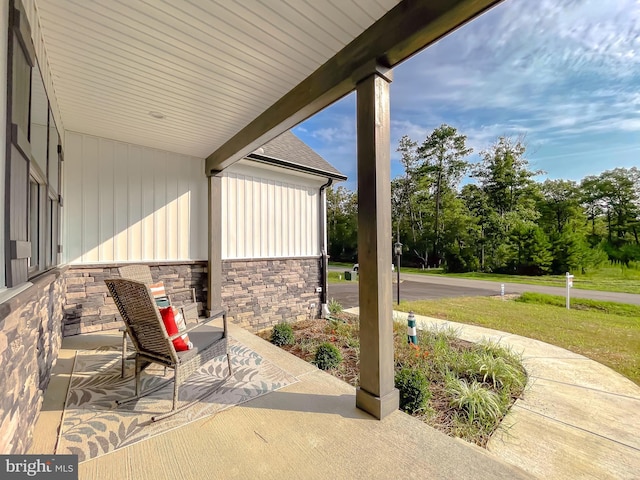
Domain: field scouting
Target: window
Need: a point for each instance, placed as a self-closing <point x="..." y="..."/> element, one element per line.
<point x="34" y="169"/>
<point x="39" y="120"/>
<point x="34" y="223"/>
<point x="21" y="84"/>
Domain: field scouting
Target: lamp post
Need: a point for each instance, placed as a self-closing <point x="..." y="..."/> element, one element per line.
<point x="397" y="248"/>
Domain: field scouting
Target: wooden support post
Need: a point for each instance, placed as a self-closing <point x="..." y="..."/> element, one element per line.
<point x="214" y="264"/>
<point x="376" y="394"/>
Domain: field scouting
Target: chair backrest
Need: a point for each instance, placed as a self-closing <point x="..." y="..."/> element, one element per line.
<point x="142" y="318"/>
<point x="140" y="273"/>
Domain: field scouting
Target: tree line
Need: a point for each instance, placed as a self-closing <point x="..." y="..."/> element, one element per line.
<point x="502" y="220"/>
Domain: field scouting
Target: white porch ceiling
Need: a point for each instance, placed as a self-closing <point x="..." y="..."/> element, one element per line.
<point x="210" y="67"/>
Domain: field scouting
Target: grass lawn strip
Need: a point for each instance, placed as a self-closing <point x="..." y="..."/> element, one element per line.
<point x="606" y="279"/>
<point x="339" y="277"/>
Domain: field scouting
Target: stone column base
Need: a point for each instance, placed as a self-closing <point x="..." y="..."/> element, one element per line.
<point x="379" y="407"/>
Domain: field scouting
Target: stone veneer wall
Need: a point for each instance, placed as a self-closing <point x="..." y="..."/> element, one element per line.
<point x="259" y="293"/>
<point x="30" y="337"/>
<point x="89" y="309"/>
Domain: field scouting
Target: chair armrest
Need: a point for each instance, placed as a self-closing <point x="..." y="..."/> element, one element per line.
<point x="179" y="334"/>
<point x="217" y="313"/>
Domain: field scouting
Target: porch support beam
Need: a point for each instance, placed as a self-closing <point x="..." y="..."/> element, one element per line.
<point x="376" y="394"/>
<point x="403" y="31"/>
<point x="214" y="264"/>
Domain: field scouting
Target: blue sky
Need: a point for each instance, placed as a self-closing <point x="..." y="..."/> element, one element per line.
<point x="565" y="74"/>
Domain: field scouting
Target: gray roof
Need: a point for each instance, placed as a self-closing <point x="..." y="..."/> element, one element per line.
<point x="289" y="151"/>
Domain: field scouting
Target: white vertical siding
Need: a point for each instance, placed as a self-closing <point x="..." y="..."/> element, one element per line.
<point x="121" y="202"/>
<point x="124" y="202"/>
<point x="268" y="213"/>
<point x="106" y="206"/>
<point x="90" y="228"/>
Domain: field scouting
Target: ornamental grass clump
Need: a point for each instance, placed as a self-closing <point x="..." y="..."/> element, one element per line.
<point x="414" y="390"/>
<point x="282" y="334"/>
<point x="476" y="402"/>
<point x="334" y="307"/>
<point x="327" y="356"/>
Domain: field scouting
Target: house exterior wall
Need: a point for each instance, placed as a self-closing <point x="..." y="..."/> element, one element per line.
<point x="270" y="244"/>
<point x="269" y="213"/>
<point x="30" y="336"/>
<point x="259" y="293"/>
<point x="128" y="203"/>
<point x="88" y="308"/>
<point x="31" y="313"/>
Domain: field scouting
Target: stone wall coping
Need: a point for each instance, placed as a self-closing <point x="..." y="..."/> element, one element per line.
<point x="270" y="259"/>
<point x="183" y="262"/>
<point x="23" y="295"/>
<point x="162" y="263"/>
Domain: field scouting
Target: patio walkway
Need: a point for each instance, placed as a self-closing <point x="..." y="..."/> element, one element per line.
<point x="578" y="418"/>
<point x="310" y="429"/>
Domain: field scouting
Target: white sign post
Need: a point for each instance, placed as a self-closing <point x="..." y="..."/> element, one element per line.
<point x="569" y="278"/>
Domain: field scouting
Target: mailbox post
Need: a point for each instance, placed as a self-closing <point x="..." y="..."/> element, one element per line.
<point x="569" y="279"/>
<point x="397" y="248"/>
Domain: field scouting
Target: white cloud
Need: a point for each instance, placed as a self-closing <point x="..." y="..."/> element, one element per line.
<point x="550" y="39"/>
<point x="558" y="71"/>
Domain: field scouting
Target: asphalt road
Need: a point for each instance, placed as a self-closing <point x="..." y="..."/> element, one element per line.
<point x="424" y="287"/>
<point x="347" y="293"/>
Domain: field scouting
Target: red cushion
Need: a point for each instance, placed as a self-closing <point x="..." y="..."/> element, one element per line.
<point x="181" y="343"/>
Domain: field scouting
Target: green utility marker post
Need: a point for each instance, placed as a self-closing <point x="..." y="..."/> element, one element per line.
<point x="412" y="336"/>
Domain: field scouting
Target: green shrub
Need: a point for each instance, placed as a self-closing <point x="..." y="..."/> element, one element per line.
<point x="327" y="356"/>
<point x="414" y="390"/>
<point x="282" y="334"/>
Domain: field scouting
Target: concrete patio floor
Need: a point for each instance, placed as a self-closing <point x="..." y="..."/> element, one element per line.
<point x="310" y="429"/>
<point x="578" y="419"/>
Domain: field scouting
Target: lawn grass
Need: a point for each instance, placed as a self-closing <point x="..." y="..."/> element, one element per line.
<point x="338" y="277"/>
<point x="613" y="308"/>
<point x="606" y="279"/>
<point x="603" y="331"/>
<point x="345" y="265"/>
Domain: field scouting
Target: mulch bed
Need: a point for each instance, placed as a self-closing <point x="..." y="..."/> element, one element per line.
<point x="310" y="333"/>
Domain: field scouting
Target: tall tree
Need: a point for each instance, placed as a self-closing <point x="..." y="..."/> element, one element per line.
<point x="559" y="205"/>
<point x="411" y="203"/>
<point x="619" y="188"/>
<point x="504" y="174"/>
<point x="507" y="182"/>
<point x="342" y="223"/>
<point x="593" y="206"/>
<point x="444" y="154"/>
<point x="477" y="205"/>
<point x="405" y="188"/>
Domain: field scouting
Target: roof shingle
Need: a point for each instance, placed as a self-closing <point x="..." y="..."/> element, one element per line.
<point x="289" y="151"/>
